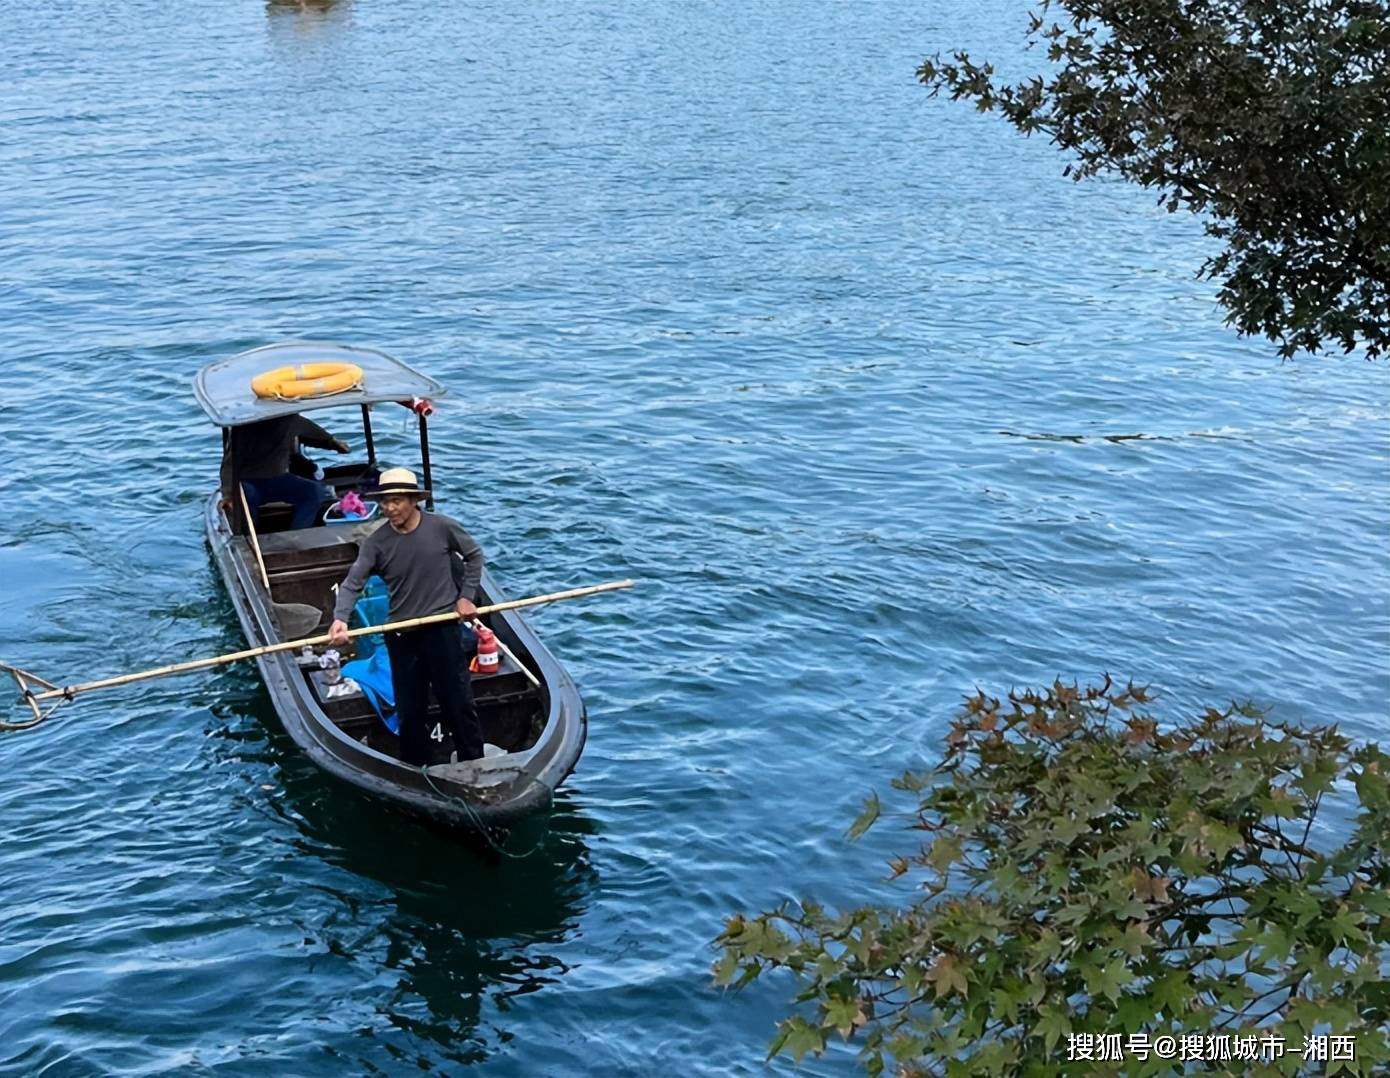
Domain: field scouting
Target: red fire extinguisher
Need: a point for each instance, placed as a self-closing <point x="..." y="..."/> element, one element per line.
<point x="485" y="662"/>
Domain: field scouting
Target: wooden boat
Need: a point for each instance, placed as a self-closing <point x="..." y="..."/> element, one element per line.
<point x="530" y="708"/>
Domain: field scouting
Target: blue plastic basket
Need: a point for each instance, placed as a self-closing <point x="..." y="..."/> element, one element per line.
<point x="333" y="515"/>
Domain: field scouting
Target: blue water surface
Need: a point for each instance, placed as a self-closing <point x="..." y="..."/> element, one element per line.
<point x="874" y="404"/>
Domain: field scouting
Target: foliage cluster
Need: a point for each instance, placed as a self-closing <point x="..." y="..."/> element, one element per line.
<point x="1082" y="871"/>
<point x="1272" y="117"/>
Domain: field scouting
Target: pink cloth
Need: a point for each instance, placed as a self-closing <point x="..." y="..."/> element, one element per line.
<point x="350" y="505"/>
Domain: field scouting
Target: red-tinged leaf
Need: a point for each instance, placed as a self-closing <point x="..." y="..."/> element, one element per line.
<point x="947" y="976"/>
<point x="1150" y="888"/>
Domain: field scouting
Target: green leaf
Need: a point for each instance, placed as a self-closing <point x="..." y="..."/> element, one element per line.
<point x="1297" y="901"/>
<point x="1345" y="925"/>
<point x="1316" y="776"/>
<point x="1068" y="829"/>
<point x="802" y="1037"/>
<point x="866" y="818"/>
<point x="1135" y="938"/>
<point x="1073" y="913"/>
<point x="1045" y="948"/>
<point x="1279" y="805"/>
<point x="780" y="1041"/>
<point x="1007" y="880"/>
<point x="1173" y="992"/>
<point x="1221" y="839"/>
<point x="1052" y="1026"/>
<point x="1134" y="1013"/>
<point x="906" y="1046"/>
<point x="1275" y="943"/>
<point x="945" y="852"/>
<point x="1131" y="909"/>
<point x="1005" y="1004"/>
<point x="725" y="968"/>
<point x="1109" y="981"/>
<point x="846" y="1015"/>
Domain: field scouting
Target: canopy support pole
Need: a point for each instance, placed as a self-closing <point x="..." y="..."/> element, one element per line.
<point x="236" y="516"/>
<point x="425" y="460"/>
<point x="367" y="430"/>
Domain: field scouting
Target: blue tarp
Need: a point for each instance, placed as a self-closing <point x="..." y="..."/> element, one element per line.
<point x="371" y="609"/>
<point x="372" y="671"/>
<point x="373" y="676"/>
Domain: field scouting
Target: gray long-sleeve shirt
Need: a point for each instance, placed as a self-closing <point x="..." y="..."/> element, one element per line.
<point x="418" y="567"/>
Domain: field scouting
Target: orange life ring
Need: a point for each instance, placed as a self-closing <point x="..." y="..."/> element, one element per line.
<point x="307" y="380"/>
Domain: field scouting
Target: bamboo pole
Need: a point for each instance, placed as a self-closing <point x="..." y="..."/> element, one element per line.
<point x="28" y="695"/>
<point x="255" y="543"/>
<point x="69" y="691"/>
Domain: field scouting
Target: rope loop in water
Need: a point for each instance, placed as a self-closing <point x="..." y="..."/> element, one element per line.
<point x="478" y="823"/>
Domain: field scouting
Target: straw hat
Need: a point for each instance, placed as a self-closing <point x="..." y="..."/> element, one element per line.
<point x="396" y="481"/>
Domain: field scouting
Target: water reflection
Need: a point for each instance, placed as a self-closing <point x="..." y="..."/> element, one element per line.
<point x="448" y="933"/>
<point x="306" y="7"/>
<point x="308" y="14"/>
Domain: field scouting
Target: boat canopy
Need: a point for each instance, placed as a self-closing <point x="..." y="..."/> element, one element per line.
<point x="224" y="388"/>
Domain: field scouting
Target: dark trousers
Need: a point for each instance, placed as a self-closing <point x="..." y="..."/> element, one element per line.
<point x="433" y="657"/>
<point x="302" y="494"/>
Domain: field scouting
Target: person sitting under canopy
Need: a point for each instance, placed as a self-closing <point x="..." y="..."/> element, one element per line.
<point x="259" y="455"/>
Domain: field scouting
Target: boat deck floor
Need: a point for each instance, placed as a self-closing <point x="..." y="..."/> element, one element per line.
<point x="323" y="537"/>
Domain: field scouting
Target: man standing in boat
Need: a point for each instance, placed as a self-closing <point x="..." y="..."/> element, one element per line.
<point x="414" y="552"/>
